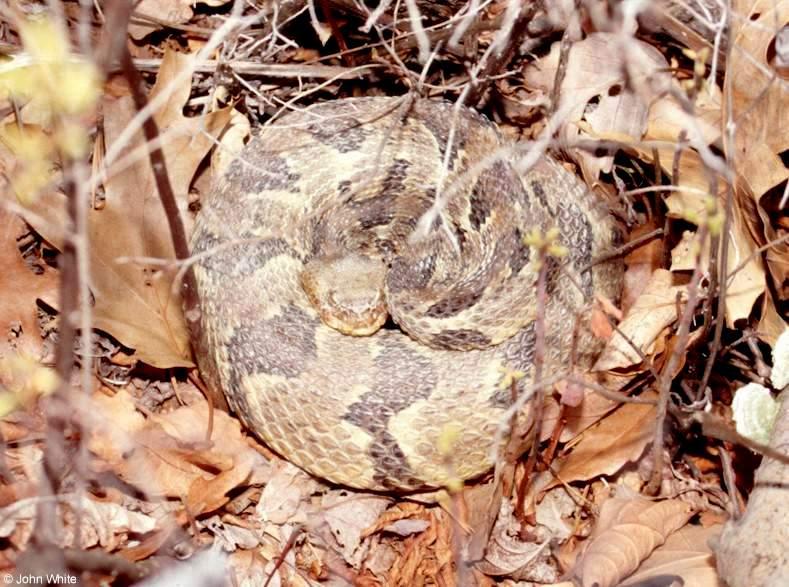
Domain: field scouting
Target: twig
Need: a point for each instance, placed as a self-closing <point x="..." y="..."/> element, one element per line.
<point x="666" y="375"/>
<point x="209" y="427"/>
<point x="326" y="9"/>
<point x="276" y="70"/>
<point x="571" y="34"/>
<point x="722" y="282"/>
<point x="728" y="479"/>
<point x="506" y="48"/>
<point x="538" y="400"/>
<point x="383" y="5"/>
<point x="715" y="427"/>
<point x="44" y="530"/>
<point x="97" y="561"/>
<point x="623" y="250"/>
<point x="285" y="550"/>
<point x="460" y="30"/>
<point x="113" y="38"/>
<point x="165" y="189"/>
<point x="609" y="394"/>
<point x="423" y="42"/>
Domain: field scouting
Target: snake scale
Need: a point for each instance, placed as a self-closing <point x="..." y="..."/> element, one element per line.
<point x="365" y="287"/>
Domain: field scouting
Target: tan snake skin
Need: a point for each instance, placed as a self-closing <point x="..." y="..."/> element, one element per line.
<point x="420" y="402"/>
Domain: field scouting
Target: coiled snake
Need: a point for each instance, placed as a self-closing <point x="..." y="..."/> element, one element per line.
<point x="398" y="219"/>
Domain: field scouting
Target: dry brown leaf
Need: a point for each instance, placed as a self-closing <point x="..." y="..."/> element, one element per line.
<point x="400" y="512"/>
<point x="690" y="199"/>
<point x="426" y="558"/>
<point x="748" y="283"/>
<point x="207" y="495"/>
<point x="591" y="409"/>
<point x="152" y="15"/>
<point x="666" y="121"/>
<point x="150" y="544"/>
<point x="746" y="280"/>
<point x="556" y="511"/>
<point x="777" y="255"/>
<point x="102" y="523"/>
<point x="14" y="491"/>
<point x="686" y="557"/>
<point x="483" y="501"/>
<point x="20" y="287"/>
<point x="599" y="323"/>
<point x="629" y="529"/>
<point x="379" y="561"/>
<point x="641" y="263"/>
<point x="282" y="497"/>
<point x="669" y="17"/>
<point x="158" y="13"/>
<point x="771" y="324"/>
<point x="248" y="568"/>
<point x="686" y="252"/>
<point x="230" y="144"/>
<point x="616" y="440"/>
<point x="135" y="302"/>
<point x="654" y="309"/>
<point x="167" y="454"/>
<point x="518" y="559"/>
<point x="349" y="515"/>
<point x="597" y="67"/>
<point x="758" y="95"/>
<point x="229" y="536"/>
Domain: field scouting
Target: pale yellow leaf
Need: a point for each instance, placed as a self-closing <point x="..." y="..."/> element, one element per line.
<point x="655" y="309"/>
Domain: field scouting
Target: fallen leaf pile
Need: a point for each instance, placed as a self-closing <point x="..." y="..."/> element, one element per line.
<point x="126" y="466"/>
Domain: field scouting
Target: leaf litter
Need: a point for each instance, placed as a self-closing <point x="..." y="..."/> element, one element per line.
<point x="187" y="473"/>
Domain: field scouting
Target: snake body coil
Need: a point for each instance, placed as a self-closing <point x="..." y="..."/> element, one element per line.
<point x="347" y="186"/>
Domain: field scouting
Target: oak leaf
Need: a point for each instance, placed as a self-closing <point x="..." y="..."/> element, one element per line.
<point x="136" y="301"/>
<point x="20" y="287"/>
<point x="168" y="455"/>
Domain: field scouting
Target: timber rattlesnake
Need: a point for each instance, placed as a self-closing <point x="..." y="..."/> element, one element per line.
<point x="339" y="188"/>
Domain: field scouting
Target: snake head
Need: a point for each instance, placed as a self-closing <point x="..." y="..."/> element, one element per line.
<point x="347" y="290"/>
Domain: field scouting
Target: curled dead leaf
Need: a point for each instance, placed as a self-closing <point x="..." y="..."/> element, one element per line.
<point x="654" y="310"/>
<point x="522" y="560"/>
<point x="685" y="556"/>
<point x="628" y="530"/>
<point x="616" y="440"/>
<point x="167" y="454"/>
